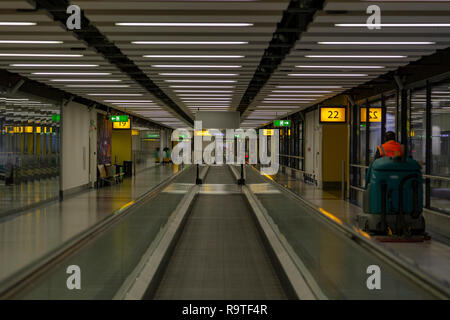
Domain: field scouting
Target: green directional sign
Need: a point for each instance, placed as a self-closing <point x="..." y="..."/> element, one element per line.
<point x="152" y="136"/>
<point x="56" y="117"/>
<point x="282" y="123"/>
<point x="121" y="118"/>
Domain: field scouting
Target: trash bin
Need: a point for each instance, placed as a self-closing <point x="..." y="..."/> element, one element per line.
<point x="128" y="168"/>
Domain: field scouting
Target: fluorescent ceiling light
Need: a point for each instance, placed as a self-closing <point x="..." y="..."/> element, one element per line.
<point x="8" y="23"/>
<point x="116" y="94"/>
<point x="98" y="86"/>
<point x="357" y="56"/>
<point x="208" y="106"/>
<point x="204" y="87"/>
<point x="85" y="80"/>
<point x="193" y="66"/>
<point x="203" y="81"/>
<point x="190" y="42"/>
<point x="137" y="106"/>
<point x="413" y="25"/>
<point x="30" y="42"/>
<point x="328" y="75"/>
<point x="341" y="67"/>
<point x="196" y="56"/>
<point x="49" y="55"/>
<point x="200" y="74"/>
<point x="118" y="101"/>
<point x="71" y="73"/>
<point x="204" y="95"/>
<point x="207" y="100"/>
<point x="32" y="65"/>
<point x="136" y="103"/>
<point x="378" y="42"/>
<point x="300" y="91"/>
<point x="278" y="99"/>
<point x="183" y="24"/>
<point x="296" y="95"/>
<point x="286" y="101"/>
<point x="309" y="87"/>
<point x="280" y="107"/>
<point x="204" y="91"/>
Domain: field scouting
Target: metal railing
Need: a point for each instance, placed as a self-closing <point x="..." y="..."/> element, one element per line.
<point x="289" y="156"/>
<point x="436" y="177"/>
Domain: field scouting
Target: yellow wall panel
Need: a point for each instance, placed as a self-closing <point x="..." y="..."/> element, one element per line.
<point x="121" y="146"/>
<point x="334" y="151"/>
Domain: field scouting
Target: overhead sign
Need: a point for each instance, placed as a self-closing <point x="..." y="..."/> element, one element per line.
<point x="333" y="115"/>
<point x="56" y="117"/>
<point x="203" y="133"/>
<point x="282" y="123"/>
<point x="375" y="114"/>
<point x="122" y="124"/>
<point x="268" y="132"/>
<point x="121" y="118"/>
<point x="152" y="136"/>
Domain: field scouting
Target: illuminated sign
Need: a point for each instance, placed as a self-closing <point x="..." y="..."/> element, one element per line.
<point x="56" y="117"/>
<point x="282" y="123"/>
<point x="152" y="136"/>
<point x="122" y="125"/>
<point x="333" y="115"/>
<point x="202" y="133"/>
<point x="122" y="118"/>
<point x="268" y="132"/>
<point x="28" y="129"/>
<point x="134" y="132"/>
<point x="375" y="114"/>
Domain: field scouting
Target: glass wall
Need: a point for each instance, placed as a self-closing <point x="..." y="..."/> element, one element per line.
<point x="29" y="151"/>
<point x="391" y="104"/>
<point x="440" y="147"/>
<point x="417" y="125"/>
<point x="375" y="120"/>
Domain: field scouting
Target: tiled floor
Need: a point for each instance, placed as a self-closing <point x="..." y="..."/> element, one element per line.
<point x="431" y="256"/>
<point x="28" y="236"/>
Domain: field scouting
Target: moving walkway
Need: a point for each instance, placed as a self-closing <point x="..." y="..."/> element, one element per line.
<point x="220" y="240"/>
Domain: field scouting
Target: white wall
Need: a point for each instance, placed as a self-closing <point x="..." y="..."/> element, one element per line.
<point x="75" y="146"/>
<point x="93" y="147"/>
<point x="313" y="146"/>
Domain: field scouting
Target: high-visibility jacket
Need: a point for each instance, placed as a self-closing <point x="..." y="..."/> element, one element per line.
<point x="390" y="149"/>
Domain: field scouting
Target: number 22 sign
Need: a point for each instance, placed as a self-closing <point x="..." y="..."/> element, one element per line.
<point x="333" y="115"/>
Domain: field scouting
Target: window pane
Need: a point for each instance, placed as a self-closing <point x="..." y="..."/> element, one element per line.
<point x="375" y="133"/>
<point x="440" y="146"/>
<point x="391" y="110"/>
<point x="418" y="126"/>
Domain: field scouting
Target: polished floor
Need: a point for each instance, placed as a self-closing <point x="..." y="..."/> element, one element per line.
<point x="26" y="237"/>
<point x="17" y="197"/>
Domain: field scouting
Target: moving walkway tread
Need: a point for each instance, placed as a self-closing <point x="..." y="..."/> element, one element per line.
<point x="220" y="255"/>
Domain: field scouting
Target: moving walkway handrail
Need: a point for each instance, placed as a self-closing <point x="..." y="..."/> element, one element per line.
<point x="438" y="289"/>
<point x="290" y="156"/>
<point x="359" y="166"/>
<point x="16" y="283"/>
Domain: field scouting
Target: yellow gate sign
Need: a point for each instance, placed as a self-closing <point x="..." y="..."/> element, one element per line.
<point x="333" y="114"/>
<point x="375" y="114"/>
<point x="268" y="132"/>
<point x="122" y="125"/>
